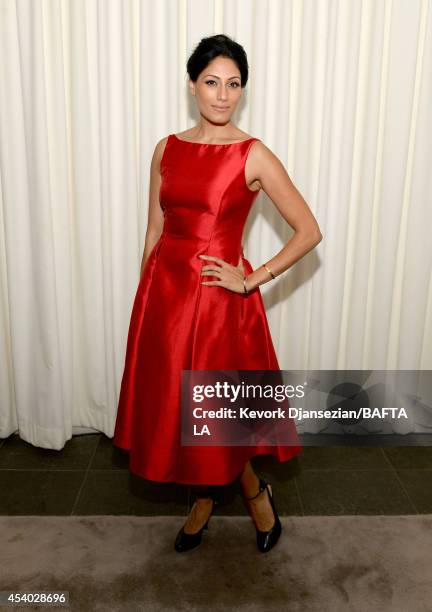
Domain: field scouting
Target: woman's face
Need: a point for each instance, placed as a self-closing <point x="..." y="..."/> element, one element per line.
<point x="218" y="90"/>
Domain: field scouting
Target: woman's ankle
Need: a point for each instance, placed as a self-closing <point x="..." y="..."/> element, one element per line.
<point x="198" y="515"/>
<point x="250" y="487"/>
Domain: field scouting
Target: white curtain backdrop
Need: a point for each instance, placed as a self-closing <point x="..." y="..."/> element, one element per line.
<point x="340" y="90"/>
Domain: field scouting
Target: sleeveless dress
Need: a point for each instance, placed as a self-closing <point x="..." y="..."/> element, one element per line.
<point x="177" y="323"/>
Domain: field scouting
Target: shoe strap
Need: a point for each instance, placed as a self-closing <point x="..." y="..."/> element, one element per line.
<point x="262" y="487"/>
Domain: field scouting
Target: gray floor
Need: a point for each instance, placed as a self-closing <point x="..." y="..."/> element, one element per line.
<point x="91" y="477"/>
<point x="128" y="564"/>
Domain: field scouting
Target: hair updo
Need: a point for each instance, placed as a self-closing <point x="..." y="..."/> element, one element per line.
<point x="214" y="46"/>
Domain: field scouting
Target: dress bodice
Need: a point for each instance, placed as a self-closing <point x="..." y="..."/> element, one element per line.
<point x="203" y="192"/>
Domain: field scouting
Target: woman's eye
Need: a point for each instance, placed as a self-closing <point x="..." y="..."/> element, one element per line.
<point x="233" y="83"/>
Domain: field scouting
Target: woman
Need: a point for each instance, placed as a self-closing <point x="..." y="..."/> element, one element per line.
<point x="198" y="306"/>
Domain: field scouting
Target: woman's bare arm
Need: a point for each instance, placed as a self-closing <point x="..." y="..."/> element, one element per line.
<point x="155" y="215"/>
<point x="264" y="166"/>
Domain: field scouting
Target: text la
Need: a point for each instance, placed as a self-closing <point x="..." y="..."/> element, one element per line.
<point x="200" y="432"/>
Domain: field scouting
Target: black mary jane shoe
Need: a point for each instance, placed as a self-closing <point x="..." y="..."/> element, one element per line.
<point x="267" y="539"/>
<point x="186" y="541"/>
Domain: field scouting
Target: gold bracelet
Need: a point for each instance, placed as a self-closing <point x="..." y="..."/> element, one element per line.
<point x="269" y="271"/>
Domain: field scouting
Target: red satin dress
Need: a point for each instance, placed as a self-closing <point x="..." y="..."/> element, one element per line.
<point x="178" y="323"/>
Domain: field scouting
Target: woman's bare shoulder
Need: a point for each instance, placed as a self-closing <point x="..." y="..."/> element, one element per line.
<point x="159" y="150"/>
<point x="261" y="152"/>
<point x="260" y="159"/>
<point x="160" y="145"/>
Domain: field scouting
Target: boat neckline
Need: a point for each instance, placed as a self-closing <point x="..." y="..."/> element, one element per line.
<point x="214" y="144"/>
